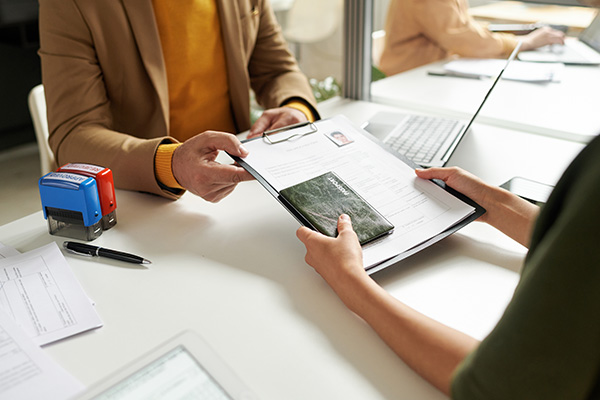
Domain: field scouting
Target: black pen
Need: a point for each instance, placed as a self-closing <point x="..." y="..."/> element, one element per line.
<point x="94" y="251"/>
<point x="453" y="74"/>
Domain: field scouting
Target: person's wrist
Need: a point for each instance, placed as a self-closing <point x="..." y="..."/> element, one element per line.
<point x="163" y="165"/>
<point x="496" y="201"/>
<point x="352" y="286"/>
<point x="303" y="108"/>
<point x="364" y="297"/>
<point x="526" y="46"/>
<point x="175" y="167"/>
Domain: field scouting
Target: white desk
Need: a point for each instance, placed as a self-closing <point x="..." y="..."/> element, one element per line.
<point x="568" y="109"/>
<point x="234" y="273"/>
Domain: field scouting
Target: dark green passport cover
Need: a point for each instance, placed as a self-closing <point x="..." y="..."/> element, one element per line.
<point x="323" y="199"/>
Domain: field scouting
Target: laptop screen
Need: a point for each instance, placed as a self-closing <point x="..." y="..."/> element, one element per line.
<point x="591" y="34"/>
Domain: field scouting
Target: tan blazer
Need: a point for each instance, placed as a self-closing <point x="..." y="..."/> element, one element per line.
<point x="419" y="32"/>
<point x="106" y="85"/>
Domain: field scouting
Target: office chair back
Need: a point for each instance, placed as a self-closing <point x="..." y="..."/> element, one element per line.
<point x="37" y="109"/>
<point x="311" y="21"/>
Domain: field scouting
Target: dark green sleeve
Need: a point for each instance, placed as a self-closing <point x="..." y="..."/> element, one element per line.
<point x="547" y="343"/>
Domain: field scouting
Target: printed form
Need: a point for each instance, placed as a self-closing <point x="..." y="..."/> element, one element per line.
<point x="419" y="209"/>
<point x="39" y="291"/>
<point x="26" y="372"/>
<point x="7" y="251"/>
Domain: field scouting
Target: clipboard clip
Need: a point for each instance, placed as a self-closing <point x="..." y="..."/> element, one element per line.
<point x="313" y="129"/>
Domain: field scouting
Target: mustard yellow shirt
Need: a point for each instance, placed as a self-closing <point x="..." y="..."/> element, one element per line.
<point x="192" y="46"/>
<point x="190" y="34"/>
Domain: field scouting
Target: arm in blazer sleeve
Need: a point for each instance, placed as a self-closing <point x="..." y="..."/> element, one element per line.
<point x="448" y="23"/>
<point x="274" y="74"/>
<point x="91" y="117"/>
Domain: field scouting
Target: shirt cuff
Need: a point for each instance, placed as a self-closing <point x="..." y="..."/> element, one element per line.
<point x="163" y="165"/>
<point x="300" y="106"/>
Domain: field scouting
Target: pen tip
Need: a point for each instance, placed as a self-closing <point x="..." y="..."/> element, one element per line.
<point x="146" y="261"/>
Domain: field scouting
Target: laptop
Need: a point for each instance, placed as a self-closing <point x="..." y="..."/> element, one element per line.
<point x="426" y="140"/>
<point x="184" y="367"/>
<point x="582" y="50"/>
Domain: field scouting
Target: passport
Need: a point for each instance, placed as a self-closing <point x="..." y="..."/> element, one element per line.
<point x="321" y="200"/>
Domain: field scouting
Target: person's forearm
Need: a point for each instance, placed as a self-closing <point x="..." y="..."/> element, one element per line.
<point x="430" y="348"/>
<point x="510" y="214"/>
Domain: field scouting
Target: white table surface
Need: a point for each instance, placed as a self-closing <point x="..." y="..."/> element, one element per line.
<point x="569" y="109"/>
<point x="234" y="272"/>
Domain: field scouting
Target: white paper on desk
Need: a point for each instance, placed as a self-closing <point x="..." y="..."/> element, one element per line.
<point x="516" y="70"/>
<point x="7" y="251"/>
<point x="26" y="371"/>
<point x="418" y="208"/>
<point x="39" y="291"/>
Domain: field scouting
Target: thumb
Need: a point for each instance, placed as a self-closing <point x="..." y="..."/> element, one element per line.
<point x="344" y="224"/>
<point x="227" y="142"/>
<point x="423" y="173"/>
<point x="262" y="124"/>
<point x="303" y="233"/>
<point x="432" y="173"/>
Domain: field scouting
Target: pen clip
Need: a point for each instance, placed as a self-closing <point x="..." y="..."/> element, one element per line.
<point x="76" y="252"/>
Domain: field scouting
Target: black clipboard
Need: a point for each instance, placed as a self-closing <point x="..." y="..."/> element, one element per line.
<point x="313" y="128"/>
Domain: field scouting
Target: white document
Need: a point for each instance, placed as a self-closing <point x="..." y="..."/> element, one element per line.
<point x="7" y="251"/>
<point x="516" y="70"/>
<point x="39" y="291"/>
<point x="26" y="372"/>
<point x="417" y="208"/>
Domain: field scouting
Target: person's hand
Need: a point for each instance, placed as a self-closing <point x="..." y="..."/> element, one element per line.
<point x="504" y="210"/>
<point x="276" y="118"/>
<point x="542" y="37"/>
<point x="463" y="182"/>
<point x="195" y="168"/>
<point x="338" y="260"/>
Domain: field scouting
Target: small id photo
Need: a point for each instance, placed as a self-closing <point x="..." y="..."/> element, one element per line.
<point x="339" y="138"/>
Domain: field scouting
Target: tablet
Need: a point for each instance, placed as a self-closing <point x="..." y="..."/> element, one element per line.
<point x="184" y="367"/>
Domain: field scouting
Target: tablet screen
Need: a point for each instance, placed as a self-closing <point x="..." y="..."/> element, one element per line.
<point x="175" y="375"/>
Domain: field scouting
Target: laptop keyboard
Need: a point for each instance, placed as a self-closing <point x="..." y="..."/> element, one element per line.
<point x="420" y="137"/>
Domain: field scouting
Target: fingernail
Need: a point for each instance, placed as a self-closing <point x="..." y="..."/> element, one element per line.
<point x="344" y="217"/>
<point x="243" y="149"/>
